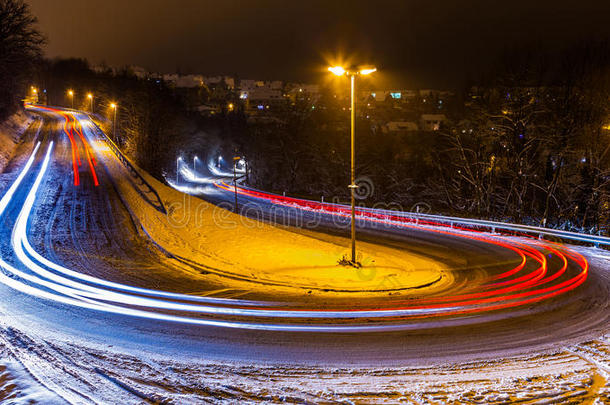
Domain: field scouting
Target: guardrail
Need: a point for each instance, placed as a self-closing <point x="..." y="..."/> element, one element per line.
<point x="492" y="226"/>
<point x="150" y="194"/>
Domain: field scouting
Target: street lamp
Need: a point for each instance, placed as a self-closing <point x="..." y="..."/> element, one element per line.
<point x="90" y="97"/>
<point x="71" y="94"/>
<point x="352" y="73"/>
<point x="114" y="106"/>
<point x="235" y="160"/>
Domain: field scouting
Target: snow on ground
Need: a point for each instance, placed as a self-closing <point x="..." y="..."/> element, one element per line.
<point x="11" y="132"/>
<point x="571" y="375"/>
<point x="103" y="374"/>
<point x="18" y="387"/>
<point x="228" y="244"/>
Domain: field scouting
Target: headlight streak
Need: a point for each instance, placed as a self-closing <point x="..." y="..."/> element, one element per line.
<point x="74" y="288"/>
<point x="70" y="127"/>
<point x="530" y="280"/>
<point x="92" y="162"/>
<point x="499" y="295"/>
<point x="11" y="191"/>
<point x="219" y="172"/>
<point x="75" y="155"/>
<point x="193" y="178"/>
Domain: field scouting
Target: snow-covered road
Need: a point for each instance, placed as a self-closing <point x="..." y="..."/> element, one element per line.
<point x="98" y="286"/>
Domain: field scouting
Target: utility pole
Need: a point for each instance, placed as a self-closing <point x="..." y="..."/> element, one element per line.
<point x="352" y="73"/>
<point x="352" y="185"/>
<point x="235" y="160"/>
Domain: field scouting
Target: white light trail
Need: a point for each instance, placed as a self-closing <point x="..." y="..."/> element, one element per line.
<point x="52" y="285"/>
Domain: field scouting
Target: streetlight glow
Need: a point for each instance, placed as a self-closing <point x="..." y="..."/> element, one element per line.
<point x="90" y="97"/>
<point x="337" y="70"/>
<point x="114" y="107"/>
<point x="367" y="71"/>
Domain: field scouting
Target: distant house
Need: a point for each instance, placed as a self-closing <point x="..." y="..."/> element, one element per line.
<point x="302" y="92"/>
<point x="171" y="78"/>
<point x="213" y="81"/>
<point x="400" y="126"/>
<point x="263" y="94"/>
<point x="208" y="110"/>
<point x="431" y="122"/>
<point x="396" y="94"/>
<point x="249" y="85"/>
<point x="138" y="71"/>
<point x="189" y="81"/>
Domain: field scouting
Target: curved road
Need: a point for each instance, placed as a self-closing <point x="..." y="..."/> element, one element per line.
<point x="508" y="296"/>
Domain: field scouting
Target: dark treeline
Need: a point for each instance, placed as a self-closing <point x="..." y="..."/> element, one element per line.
<point x="20" y="53"/>
<point x="529" y="144"/>
<point x="153" y="124"/>
<point x="534" y="146"/>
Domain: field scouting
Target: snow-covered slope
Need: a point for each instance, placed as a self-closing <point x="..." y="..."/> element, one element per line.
<point x="11" y="131"/>
<point x="244" y="250"/>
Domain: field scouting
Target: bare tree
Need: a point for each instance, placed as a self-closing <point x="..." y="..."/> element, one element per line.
<point x="20" y="51"/>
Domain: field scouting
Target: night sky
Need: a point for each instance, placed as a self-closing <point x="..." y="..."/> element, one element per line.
<point x="414" y="43"/>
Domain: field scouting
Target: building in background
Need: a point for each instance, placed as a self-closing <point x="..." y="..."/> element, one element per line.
<point x="431" y="122"/>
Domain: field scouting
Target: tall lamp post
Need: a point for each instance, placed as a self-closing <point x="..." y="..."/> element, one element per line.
<point x="352" y="73"/>
<point x="71" y="94"/>
<point x="114" y="106"/>
<point x="235" y="160"/>
<point x="90" y="97"/>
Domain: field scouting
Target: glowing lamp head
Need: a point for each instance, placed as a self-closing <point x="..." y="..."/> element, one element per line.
<point x="112" y="105"/>
<point x="337" y="70"/>
<point x="367" y="71"/>
<point x="70" y="92"/>
<point x="89" y="95"/>
<point x="34" y="91"/>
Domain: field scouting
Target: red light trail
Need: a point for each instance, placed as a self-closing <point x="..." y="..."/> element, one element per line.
<point x="534" y="286"/>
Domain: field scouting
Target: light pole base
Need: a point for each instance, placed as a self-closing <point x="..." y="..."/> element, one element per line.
<point x="346" y="262"/>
